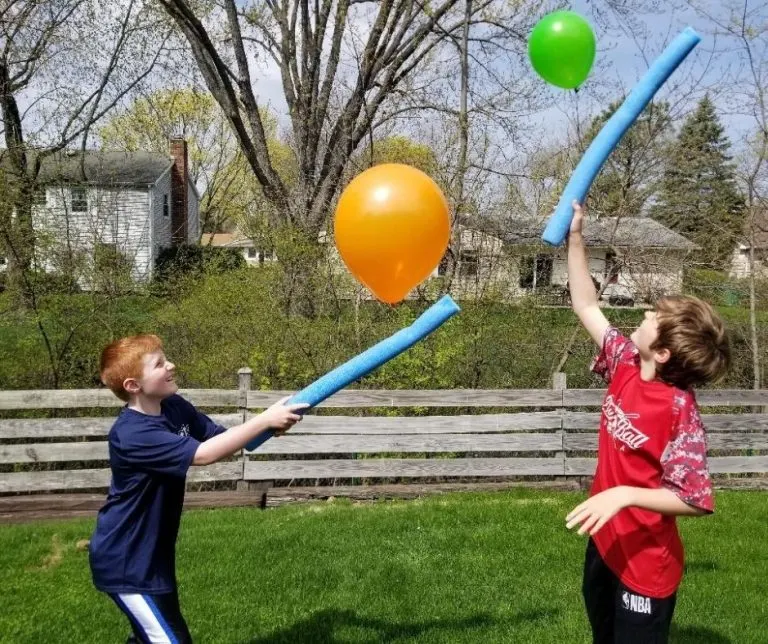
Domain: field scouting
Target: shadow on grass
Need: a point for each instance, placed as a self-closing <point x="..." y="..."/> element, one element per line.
<point x="320" y="627"/>
<point x="701" y="566"/>
<point x="696" y="635"/>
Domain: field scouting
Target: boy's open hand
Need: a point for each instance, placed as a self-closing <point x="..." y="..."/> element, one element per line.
<point x="282" y="417"/>
<point x="596" y="511"/>
<point x="577" y="223"/>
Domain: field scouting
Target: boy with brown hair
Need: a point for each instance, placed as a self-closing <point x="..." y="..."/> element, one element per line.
<point x="652" y="455"/>
<point x="156" y="438"/>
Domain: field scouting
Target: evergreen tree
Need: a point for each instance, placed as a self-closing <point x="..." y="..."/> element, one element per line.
<point x="699" y="197"/>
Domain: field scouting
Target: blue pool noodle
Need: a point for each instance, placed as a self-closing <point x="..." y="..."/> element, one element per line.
<point x="369" y="360"/>
<point x="611" y="133"/>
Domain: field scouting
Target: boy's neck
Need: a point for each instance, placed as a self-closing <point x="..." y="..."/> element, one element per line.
<point x="647" y="369"/>
<point x="145" y="405"/>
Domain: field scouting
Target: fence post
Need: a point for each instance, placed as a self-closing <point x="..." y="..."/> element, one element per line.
<point x="244" y="380"/>
<point x="560" y="383"/>
<point x="244" y="377"/>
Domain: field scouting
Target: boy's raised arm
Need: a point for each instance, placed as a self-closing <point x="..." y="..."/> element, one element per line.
<point x="583" y="295"/>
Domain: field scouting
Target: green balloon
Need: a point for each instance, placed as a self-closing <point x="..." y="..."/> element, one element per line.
<point x="562" y="49"/>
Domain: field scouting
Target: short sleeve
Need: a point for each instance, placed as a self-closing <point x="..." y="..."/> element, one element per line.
<point x="154" y="448"/>
<point x="616" y="350"/>
<point x="686" y="472"/>
<point x="205" y="428"/>
<point x="200" y="425"/>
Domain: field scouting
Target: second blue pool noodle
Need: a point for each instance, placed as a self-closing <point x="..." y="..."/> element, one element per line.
<point x="368" y="360"/>
<point x="612" y="132"/>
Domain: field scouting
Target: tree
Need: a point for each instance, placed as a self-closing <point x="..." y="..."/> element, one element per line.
<point x="743" y="25"/>
<point x="398" y="149"/>
<point x="63" y="66"/>
<point x="630" y="176"/>
<point x="331" y="112"/>
<point x="699" y="197"/>
<point x="216" y="164"/>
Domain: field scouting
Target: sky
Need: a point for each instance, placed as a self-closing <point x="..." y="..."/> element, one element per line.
<point x="623" y="59"/>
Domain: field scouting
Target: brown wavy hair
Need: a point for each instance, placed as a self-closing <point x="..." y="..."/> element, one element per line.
<point x="697" y="341"/>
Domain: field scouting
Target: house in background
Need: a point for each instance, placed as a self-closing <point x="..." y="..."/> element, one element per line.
<point x="741" y="254"/>
<point x="639" y="258"/>
<point x="253" y="256"/>
<point x="95" y="203"/>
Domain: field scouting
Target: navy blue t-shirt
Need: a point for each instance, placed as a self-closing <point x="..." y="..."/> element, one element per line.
<point x="133" y="549"/>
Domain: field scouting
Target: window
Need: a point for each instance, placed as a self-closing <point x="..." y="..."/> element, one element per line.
<point x="166" y="208"/>
<point x="79" y="200"/>
<point x="251" y="253"/>
<point x="468" y="263"/>
<point x="265" y="256"/>
<point x="536" y="272"/>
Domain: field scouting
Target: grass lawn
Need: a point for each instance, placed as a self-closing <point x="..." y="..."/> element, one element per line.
<point x="496" y="567"/>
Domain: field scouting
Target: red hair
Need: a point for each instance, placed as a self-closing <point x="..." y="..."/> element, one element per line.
<point x="124" y="359"/>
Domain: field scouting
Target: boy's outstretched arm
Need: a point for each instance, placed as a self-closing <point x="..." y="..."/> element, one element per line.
<point x="596" y="511"/>
<point x="583" y="294"/>
<point x="278" y="417"/>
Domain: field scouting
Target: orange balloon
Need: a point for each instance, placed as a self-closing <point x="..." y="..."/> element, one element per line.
<point x="392" y="228"/>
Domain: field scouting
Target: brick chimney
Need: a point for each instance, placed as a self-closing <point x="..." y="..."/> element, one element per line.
<point x="179" y="179"/>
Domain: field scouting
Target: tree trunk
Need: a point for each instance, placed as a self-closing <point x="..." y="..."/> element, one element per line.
<point x="753" y="315"/>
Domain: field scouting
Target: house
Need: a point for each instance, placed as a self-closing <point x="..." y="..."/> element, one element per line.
<point x="130" y="205"/>
<point x="638" y="257"/>
<point x="631" y="258"/>
<point x="756" y="234"/>
<point x="253" y="256"/>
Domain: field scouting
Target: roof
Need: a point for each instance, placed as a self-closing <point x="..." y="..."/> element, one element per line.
<point x="101" y="168"/>
<point x="225" y="239"/>
<point x="631" y="232"/>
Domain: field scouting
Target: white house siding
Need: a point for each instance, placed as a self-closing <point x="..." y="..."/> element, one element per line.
<point x="646" y="274"/>
<point x="740" y="263"/>
<point x="654" y="273"/>
<point x="114" y="215"/>
<point x="483" y="268"/>
<point x="160" y="222"/>
<point x="595" y="261"/>
<point x="193" y="215"/>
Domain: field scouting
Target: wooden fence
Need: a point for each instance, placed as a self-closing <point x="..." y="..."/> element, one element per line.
<point x="531" y="433"/>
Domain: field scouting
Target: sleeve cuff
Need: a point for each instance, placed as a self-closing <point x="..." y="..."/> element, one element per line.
<point x="705" y="503"/>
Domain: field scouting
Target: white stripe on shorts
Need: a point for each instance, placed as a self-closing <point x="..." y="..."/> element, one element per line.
<point x="145" y="616"/>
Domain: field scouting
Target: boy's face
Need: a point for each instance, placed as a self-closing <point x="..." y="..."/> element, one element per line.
<point x="645" y="335"/>
<point x="157" y="377"/>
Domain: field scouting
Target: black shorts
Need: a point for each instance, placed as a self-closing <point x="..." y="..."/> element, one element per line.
<point x="617" y="614"/>
<point x="154" y="618"/>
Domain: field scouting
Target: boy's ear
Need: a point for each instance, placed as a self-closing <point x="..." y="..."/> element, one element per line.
<point x="662" y="356"/>
<point x="132" y="386"/>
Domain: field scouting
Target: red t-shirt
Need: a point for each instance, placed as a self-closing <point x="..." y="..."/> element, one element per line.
<point x="651" y="436"/>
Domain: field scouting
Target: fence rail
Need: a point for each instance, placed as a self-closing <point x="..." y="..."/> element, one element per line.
<point x="549" y="434"/>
